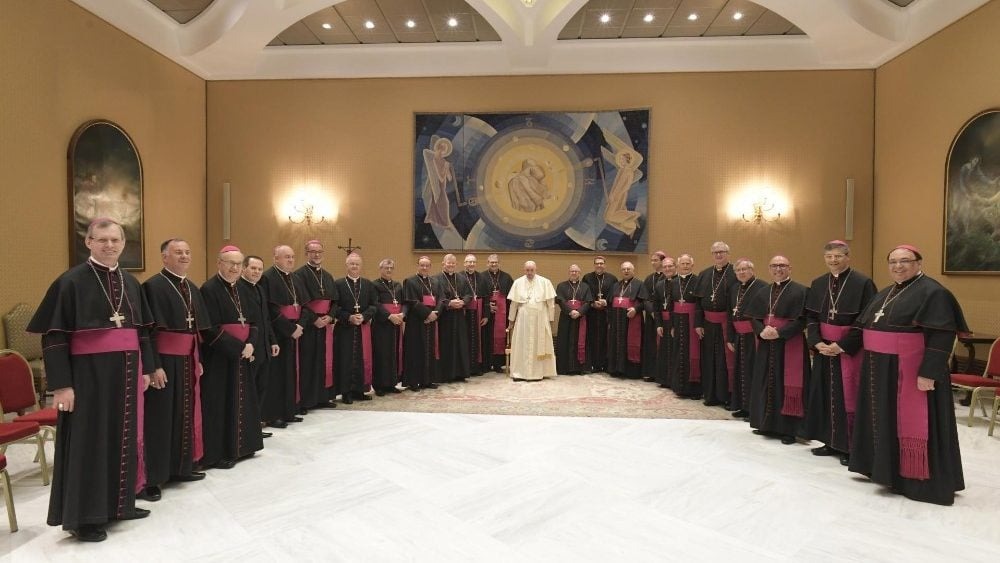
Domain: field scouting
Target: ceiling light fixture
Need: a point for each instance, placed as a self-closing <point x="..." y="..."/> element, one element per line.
<point x="648" y="18"/>
<point x="327" y="26"/>
<point x="692" y="16"/>
<point x="605" y="18"/>
<point x="452" y="22"/>
<point x="369" y="24"/>
<point x="528" y="3"/>
<point x="411" y="24"/>
<point x="737" y="16"/>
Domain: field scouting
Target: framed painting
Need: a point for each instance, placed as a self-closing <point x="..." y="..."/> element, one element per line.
<point x="105" y="180"/>
<point x="539" y="181"/>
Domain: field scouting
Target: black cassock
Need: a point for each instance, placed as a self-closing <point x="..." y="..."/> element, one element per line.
<point x="685" y="355"/>
<point x="231" y="414"/>
<point x="650" y="310"/>
<point x="744" y="340"/>
<point x="172" y="429"/>
<point x="420" y="345"/>
<point x="495" y="332"/>
<point x="597" y="319"/>
<point x="828" y="417"/>
<point x="356" y="296"/>
<point x="453" y="328"/>
<point x="473" y="315"/>
<point x="625" y="334"/>
<point x="660" y="303"/>
<point x="772" y="392"/>
<point x="284" y="306"/>
<point x="572" y="297"/>
<point x="928" y="309"/>
<point x="321" y="298"/>
<point x="387" y="338"/>
<point x="713" y="289"/>
<point x="96" y="458"/>
<point x="260" y="368"/>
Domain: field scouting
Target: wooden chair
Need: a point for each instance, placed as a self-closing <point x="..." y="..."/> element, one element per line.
<point x="17" y="395"/>
<point x="982" y="387"/>
<point x="8" y="495"/>
<point x="993" y="417"/>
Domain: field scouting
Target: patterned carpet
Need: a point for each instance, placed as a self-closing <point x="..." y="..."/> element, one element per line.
<point x="595" y="395"/>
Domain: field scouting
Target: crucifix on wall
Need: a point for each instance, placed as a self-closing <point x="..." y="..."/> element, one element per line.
<point x="350" y="246"/>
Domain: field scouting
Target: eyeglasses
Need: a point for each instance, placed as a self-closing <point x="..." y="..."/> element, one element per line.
<point x="231" y="263"/>
<point x="779" y="266"/>
<point x="901" y="262"/>
<point x="314" y="252"/>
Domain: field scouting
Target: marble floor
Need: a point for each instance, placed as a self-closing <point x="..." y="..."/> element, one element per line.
<point x="384" y="486"/>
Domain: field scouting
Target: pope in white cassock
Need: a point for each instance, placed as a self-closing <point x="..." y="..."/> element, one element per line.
<point x="532" y="310"/>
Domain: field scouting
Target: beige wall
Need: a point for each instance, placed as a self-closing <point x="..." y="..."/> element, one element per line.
<point x="712" y="134"/>
<point x="923" y="98"/>
<point x="60" y="67"/>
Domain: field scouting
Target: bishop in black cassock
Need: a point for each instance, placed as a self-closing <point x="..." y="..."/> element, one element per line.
<point x="353" y="340"/>
<point x="421" y="295"/>
<point x="498" y="284"/>
<point x="600" y="283"/>
<point x="625" y="326"/>
<point x="742" y="336"/>
<point x="266" y="345"/>
<point x="453" y="328"/>
<point x="316" y="380"/>
<point x="573" y="299"/>
<point x="685" y="316"/>
<point x="387" y="331"/>
<point x="713" y="288"/>
<point x="650" y="311"/>
<point x="474" y="315"/>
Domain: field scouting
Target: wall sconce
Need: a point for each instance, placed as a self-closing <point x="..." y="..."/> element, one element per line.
<point x="762" y="211"/>
<point x="305" y="212"/>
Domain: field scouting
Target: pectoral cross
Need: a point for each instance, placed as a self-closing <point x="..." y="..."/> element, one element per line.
<point x="190" y="320"/>
<point x="682" y="299"/>
<point x="117" y="318"/>
<point x="357" y="308"/>
<point x="770" y="318"/>
<point x="735" y="309"/>
<point x="879" y="314"/>
<point x="712" y="298"/>
<point x="832" y="313"/>
<point x="242" y="319"/>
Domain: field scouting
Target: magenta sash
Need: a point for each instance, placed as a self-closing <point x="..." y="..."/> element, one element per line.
<point x="186" y="344"/>
<point x="581" y="335"/>
<point x="238" y="331"/>
<point x="850" y="371"/>
<point x="722" y="318"/>
<point x="395" y="309"/>
<point x="292" y="313"/>
<point x="633" y="344"/>
<point x="743" y="327"/>
<point x="102" y="341"/>
<point x="432" y="303"/>
<point x="792" y="405"/>
<point x="322" y="307"/>
<point x="694" y="346"/>
<point x="912" y="426"/>
<point x="499" y="322"/>
<point x="477" y="304"/>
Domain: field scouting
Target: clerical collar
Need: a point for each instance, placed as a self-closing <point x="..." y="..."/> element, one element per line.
<point x="282" y="271"/>
<point x="684" y="276"/>
<point x="750" y="281"/>
<point x="781" y="283"/>
<point x="316" y="267"/>
<point x="248" y="281"/>
<point x="225" y="281"/>
<point x="354" y="280"/>
<point x="842" y="273"/>
<point x="178" y="276"/>
<point x="724" y="266"/>
<point x="102" y="266"/>
<point x="905" y="283"/>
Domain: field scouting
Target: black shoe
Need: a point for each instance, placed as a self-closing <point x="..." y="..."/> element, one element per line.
<point x="760" y="432"/>
<point x="712" y="403"/>
<point x="90" y="533"/>
<point x="151" y="493"/>
<point x="648" y="379"/>
<point x="326" y="405"/>
<point x="380" y="393"/>
<point x="965" y="401"/>
<point x="824" y="450"/>
<point x="347" y="400"/>
<point x="845" y="460"/>
<point x="393" y="390"/>
<point x="194" y="476"/>
<point x="139" y="514"/>
<point x="740" y="413"/>
<point x="278" y="424"/>
<point x="294" y="419"/>
<point x="788" y="440"/>
<point x="225" y="464"/>
<point x="415" y="388"/>
<point x="303" y="411"/>
<point x="431" y="386"/>
<point x="364" y="397"/>
<point x="266" y="434"/>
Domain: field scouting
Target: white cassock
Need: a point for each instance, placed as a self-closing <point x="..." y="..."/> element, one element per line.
<point x="533" y="305"/>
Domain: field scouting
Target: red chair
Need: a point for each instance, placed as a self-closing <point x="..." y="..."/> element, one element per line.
<point x="8" y="495"/>
<point x="983" y="387"/>
<point x="17" y="394"/>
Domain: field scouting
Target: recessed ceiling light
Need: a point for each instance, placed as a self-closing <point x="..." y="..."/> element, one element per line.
<point x="369" y="24"/>
<point x="605" y="18"/>
<point x="411" y="24"/>
<point x="737" y="16"/>
<point x="648" y="18"/>
<point x="328" y="26"/>
<point x="692" y="16"/>
<point x="452" y="22"/>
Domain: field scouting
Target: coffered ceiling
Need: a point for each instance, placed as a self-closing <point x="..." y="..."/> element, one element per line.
<point x="267" y="39"/>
